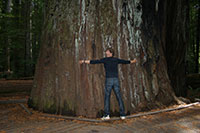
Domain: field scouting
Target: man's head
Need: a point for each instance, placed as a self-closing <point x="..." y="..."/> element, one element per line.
<point x="109" y="52"/>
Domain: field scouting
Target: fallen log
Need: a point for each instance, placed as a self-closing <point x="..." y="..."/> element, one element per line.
<point x="13" y="101"/>
<point x="26" y="109"/>
<point x="117" y="118"/>
<point x="17" y="101"/>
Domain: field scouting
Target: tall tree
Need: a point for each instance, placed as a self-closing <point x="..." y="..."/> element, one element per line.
<point x="28" y="37"/>
<point x="197" y="39"/>
<point x="8" y="11"/>
<point x="77" y="29"/>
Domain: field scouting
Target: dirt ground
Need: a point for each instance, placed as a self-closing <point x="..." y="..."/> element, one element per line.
<point x="13" y="118"/>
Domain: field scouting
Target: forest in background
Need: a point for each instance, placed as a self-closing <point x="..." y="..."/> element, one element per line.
<point x="21" y="23"/>
<point x="192" y="59"/>
<point x="20" y="32"/>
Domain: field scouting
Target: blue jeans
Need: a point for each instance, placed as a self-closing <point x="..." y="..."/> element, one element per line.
<point x="113" y="83"/>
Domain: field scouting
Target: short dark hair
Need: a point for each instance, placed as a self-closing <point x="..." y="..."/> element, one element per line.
<point x="111" y="51"/>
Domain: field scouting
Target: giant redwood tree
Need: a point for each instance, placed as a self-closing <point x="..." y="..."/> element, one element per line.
<point x="83" y="29"/>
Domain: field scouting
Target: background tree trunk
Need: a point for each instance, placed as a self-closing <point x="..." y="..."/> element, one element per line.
<point x="8" y="11"/>
<point x="17" y="50"/>
<point x="75" y="30"/>
<point x="197" y="40"/>
<point x="177" y="34"/>
<point x="28" y="38"/>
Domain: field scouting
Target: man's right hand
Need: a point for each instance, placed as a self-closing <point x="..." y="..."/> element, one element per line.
<point x="84" y="61"/>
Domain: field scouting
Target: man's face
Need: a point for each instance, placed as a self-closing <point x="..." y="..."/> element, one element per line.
<point x="108" y="54"/>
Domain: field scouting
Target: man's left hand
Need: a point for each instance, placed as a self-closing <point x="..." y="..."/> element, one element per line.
<point x="133" y="61"/>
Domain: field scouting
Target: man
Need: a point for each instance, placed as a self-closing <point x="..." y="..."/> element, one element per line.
<point x="112" y="81"/>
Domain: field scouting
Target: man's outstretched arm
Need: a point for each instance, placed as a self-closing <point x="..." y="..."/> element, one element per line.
<point x="120" y="61"/>
<point x="91" y="61"/>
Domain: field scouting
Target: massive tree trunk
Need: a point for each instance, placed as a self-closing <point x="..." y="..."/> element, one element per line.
<point x="82" y="29"/>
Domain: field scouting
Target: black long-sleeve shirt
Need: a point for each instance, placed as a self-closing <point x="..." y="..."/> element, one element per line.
<point x="110" y="65"/>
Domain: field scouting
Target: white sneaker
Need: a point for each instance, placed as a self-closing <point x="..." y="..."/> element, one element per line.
<point x="122" y="117"/>
<point x="105" y="117"/>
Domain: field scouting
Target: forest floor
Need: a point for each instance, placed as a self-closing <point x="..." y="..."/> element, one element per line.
<point x="13" y="118"/>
